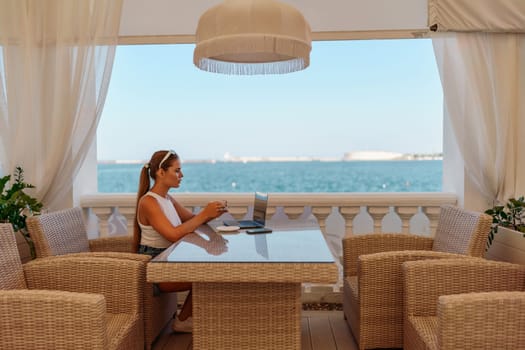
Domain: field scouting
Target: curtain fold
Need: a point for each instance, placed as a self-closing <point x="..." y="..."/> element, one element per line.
<point x="477" y="15"/>
<point x="56" y="62"/>
<point x="483" y="79"/>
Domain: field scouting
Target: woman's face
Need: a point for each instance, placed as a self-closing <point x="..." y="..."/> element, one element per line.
<point x="173" y="175"/>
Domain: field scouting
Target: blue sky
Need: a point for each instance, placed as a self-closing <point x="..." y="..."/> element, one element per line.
<point x="380" y="95"/>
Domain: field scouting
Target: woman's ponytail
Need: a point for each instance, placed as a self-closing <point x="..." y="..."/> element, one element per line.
<point x="144" y="185"/>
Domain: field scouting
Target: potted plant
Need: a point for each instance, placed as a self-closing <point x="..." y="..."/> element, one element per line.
<point x="16" y="205"/>
<point x="508" y="229"/>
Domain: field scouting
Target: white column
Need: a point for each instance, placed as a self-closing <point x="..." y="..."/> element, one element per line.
<point x="86" y="180"/>
<point x="455" y="177"/>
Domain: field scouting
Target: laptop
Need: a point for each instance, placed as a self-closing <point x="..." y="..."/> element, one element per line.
<point x="259" y="214"/>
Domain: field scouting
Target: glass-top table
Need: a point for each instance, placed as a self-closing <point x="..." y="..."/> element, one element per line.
<point x="280" y="246"/>
<point x="247" y="288"/>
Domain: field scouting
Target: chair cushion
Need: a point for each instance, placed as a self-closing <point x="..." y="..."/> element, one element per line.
<point x="455" y="231"/>
<point x="64" y="231"/>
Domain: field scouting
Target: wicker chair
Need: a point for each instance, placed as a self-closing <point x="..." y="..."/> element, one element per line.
<point x="373" y="292"/>
<point x="464" y="304"/>
<point x="63" y="232"/>
<point x="68" y="303"/>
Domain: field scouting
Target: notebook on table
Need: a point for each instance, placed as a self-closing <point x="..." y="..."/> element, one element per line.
<point x="259" y="213"/>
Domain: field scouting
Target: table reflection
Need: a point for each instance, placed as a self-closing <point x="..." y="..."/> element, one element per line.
<point x="280" y="246"/>
<point x="261" y="245"/>
<point x="208" y="239"/>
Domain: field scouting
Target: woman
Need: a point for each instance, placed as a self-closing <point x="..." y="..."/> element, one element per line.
<point x="160" y="220"/>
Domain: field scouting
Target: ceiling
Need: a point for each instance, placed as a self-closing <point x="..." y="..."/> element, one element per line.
<point x="176" y="20"/>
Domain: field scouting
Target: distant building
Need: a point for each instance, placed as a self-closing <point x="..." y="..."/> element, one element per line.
<point x="372" y="155"/>
<point x="383" y="155"/>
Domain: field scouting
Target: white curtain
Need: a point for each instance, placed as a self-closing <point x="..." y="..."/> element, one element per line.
<point x="55" y="67"/>
<point x="483" y="78"/>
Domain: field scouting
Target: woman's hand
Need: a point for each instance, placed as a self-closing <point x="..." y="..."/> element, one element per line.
<point x="215" y="209"/>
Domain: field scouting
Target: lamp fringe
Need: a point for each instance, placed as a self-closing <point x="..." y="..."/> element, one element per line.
<point x="258" y="54"/>
<point x="232" y="68"/>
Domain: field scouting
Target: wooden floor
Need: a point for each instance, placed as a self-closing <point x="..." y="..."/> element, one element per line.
<point x="320" y="330"/>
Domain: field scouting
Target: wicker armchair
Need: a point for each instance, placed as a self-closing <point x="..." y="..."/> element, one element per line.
<point x="464" y="304"/>
<point x="68" y="303"/>
<point x="373" y="292"/>
<point x="63" y="232"/>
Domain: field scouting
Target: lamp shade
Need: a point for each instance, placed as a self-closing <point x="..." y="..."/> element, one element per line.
<point x="252" y="37"/>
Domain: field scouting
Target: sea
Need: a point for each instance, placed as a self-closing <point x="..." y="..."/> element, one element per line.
<point x="308" y="176"/>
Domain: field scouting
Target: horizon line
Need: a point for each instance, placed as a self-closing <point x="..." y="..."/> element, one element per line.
<point x="250" y="159"/>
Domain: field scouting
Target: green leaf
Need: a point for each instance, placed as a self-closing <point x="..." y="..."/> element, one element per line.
<point x="14" y="201"/>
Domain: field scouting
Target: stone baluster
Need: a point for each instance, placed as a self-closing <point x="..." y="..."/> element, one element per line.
<point x="378" y="213"/>
<point x="432" y="212"/>
<point x="117" y="223"/>
<point x="103" y="214"/>
<point x="349" y="213"/>
<point x="238" y="212"/>
<point x="321" y="213"/>
<point x="129" y="214"/>
<point x="406" y="213"/>
<point x="294" y="212"/>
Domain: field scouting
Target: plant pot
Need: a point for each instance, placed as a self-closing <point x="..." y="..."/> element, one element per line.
<point x="23" y="247"/>
<point x="508" y="245"/>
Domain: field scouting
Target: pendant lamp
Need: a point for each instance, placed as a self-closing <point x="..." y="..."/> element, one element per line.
<point x="252" y="37"/>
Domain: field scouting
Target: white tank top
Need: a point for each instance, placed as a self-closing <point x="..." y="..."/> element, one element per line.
<point x="149" y="236"/>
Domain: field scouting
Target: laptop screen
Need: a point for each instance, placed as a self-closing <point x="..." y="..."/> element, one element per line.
<point x="259" y="207"/>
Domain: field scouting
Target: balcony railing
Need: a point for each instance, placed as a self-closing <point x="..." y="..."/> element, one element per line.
<point x="354" y="213"/>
